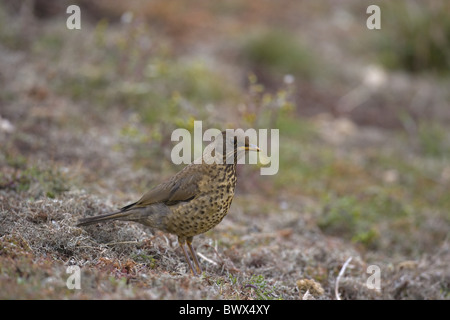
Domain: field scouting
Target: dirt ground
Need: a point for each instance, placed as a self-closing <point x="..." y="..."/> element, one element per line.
<point x="359" y="209"/>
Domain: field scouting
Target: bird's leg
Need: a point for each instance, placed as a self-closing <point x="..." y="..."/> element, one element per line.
<point x="181" y="243"/>
<point x="194" y="255"/>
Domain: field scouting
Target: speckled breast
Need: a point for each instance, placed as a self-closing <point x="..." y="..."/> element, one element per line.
<point x="204" y="212"/>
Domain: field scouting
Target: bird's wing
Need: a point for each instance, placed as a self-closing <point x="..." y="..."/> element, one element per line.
<point x="184" y="186"/>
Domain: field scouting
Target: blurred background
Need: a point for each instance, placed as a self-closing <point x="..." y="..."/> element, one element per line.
<point x="363" y="114"/>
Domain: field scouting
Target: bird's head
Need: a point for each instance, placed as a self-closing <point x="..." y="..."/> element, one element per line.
<point x="230" y="145"/>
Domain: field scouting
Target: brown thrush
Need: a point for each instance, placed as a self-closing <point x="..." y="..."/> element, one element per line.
<point x="194" y="200"/>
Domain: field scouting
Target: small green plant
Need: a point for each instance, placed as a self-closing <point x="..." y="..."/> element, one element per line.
<point x="340" y="216"/>
<point x="262" y="289"/>
<point x="280" y="53"/>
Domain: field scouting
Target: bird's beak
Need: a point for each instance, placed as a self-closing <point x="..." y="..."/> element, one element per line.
<point x="251" y="147"/>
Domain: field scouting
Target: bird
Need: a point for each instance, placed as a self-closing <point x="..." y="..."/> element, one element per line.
<point x="192" y="201"/>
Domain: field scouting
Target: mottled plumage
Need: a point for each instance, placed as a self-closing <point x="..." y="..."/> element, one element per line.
<point x="194" y="200"/>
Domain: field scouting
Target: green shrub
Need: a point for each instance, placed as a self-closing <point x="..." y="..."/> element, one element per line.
<point x="280" y="53"/>
<point x="415" y="36"/>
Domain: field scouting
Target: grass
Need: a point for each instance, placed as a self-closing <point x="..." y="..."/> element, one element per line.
<point x="433" y="140"/>
<point x="369" y="201"/>
<point x="262" y="290"/>
<point x="36" y="180"/>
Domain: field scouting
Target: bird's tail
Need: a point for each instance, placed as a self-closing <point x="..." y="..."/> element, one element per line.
<point x="103" y="217"/>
